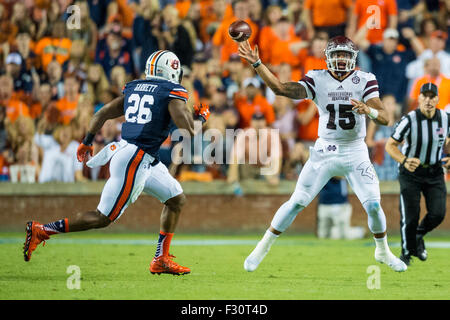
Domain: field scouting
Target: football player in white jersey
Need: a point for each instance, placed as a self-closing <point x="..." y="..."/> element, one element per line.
<point x="344" y="97"/>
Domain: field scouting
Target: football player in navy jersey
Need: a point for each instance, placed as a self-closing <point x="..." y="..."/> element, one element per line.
<point x="149" y="106"/>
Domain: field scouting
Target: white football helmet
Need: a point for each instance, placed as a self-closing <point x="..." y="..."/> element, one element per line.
<point x="341" y="43"/>
<point x="164" y="64"/>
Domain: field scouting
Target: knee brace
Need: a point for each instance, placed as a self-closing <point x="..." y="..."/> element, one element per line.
<point x="375" y="215"/>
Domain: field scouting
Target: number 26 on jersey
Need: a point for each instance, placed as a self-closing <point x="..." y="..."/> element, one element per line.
<point x="138" y="110"/>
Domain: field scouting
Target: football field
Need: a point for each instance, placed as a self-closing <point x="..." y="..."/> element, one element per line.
<point x="94" y="265"/>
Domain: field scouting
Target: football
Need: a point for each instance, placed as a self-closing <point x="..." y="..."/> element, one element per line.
<point x="239" y="31"/>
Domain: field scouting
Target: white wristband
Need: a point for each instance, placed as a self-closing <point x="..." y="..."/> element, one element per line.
<point x="373" y="114"/>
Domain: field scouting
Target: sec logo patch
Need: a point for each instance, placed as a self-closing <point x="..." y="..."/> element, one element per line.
<point x="356" y="80"/>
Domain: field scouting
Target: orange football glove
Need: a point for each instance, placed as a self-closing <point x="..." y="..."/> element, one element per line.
<point x="202" y="112"/>
<point x="83" y="150"/>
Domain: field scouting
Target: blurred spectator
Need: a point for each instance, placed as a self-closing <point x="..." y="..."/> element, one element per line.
<point x="255" y="10"/>
<point x="220" y="109"/>
<point x="376" y="16"/>
<point x="315" y="55"/>
<point x="8" y="30"/>
<point x="280" y="50"/>
<point x="54" y="77"/>
<point x="44" y="99"/>
<point x="427" y="27"/>
<point x="408" y="10"/>
<point x="20" y="132"/>
<point x="232" y="68"/>
<point x="147" y="32"/>
<point x="415" y="69"/>
<point x="389" y="63"/>
<point x="188" y="83"/>
<point x="248" y="160"/>
<point x="59" y="156"/>
<point x="285" y="122"/>
<point x="308" y="120"/>
<point x="267" y="34"/>
<point x="83" y="115"/>
<point x="55" y="47"/>
<point x="284" y="74"/>
<point x="385" y="167"/>
<point x="98" y="11"/>
<point x="296" y="16"/>
<point x="87" y="32"/>
<point x="444" y="20"/>
<point x="334" y="212"/>
<point x="97" y="82"/>
<point x="23" y="42"/>
<point x="224" y="46"/>
<point x="24" y="168"/>
<point x="23" y="82"/>
<point x="2" y="132"/>
<point x="114" y="52"/>
<point x="118" y="80"/>
<point x="67" y="105"/>
<point x="207" y="17"/>
<point x="77" y="63"/>
<point x="252" y="102"/>
<point x="434" y="75"/>
<point x="14" y="107"/>
<point x="177" y="38"/>
<point x="21" y="19"/>
<point x="330" y="16"/>
<point x="125" y="11"/>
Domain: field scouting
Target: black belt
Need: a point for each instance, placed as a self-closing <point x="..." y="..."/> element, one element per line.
<point x="427" y="169"/>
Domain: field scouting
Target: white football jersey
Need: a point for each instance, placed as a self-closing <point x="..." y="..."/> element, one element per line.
<point x="337" y="121"/>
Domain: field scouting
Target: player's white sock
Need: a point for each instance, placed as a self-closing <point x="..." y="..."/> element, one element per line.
<point x="382" y="244"/>
<point x="384" y="255"/>
<point x="262" y="248"/>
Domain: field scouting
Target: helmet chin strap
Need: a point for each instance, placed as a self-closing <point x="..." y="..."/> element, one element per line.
<point x="180" y="77"/>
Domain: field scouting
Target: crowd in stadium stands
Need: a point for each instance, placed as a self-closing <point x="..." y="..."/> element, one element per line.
<point x="55" y="74"/>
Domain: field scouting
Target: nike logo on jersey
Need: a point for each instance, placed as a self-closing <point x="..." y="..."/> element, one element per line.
<point x="146" y="87"/>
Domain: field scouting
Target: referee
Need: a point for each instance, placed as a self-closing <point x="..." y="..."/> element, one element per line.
<point x="424" y="131"/>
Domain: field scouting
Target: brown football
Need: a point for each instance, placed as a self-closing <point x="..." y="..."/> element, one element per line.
<point x="239" y="31"/>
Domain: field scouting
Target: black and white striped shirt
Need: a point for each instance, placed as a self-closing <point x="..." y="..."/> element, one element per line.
<point x="424" y="138"/>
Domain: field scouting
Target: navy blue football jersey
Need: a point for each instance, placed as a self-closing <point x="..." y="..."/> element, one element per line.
<point x="147" y="117"/>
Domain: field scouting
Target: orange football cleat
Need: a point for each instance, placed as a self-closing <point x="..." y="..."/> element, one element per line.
<point x="165" y="264"/>
<point x="35" y="235"/>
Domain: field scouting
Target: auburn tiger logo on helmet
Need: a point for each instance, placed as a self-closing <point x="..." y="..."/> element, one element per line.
<point x="164" y="64"/>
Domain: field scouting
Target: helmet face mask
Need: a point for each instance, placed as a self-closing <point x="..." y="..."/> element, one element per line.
<point x="163" y="64"/>
<point x="341" y="55"/>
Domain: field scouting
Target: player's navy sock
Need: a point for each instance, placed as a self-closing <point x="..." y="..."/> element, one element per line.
<point x="57" y="227"/>
<point x="163" y="245"/>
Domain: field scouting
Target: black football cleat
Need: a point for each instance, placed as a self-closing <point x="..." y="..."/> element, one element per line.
<point x="422" y="253"/>
<point x="406" y="258"/>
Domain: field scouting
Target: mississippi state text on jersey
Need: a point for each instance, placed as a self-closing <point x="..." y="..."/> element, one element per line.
<point x="147" y="117"/>
<point x="337" y="121"/>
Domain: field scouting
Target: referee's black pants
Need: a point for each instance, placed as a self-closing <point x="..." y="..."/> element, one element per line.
<point x="430" y="182"/>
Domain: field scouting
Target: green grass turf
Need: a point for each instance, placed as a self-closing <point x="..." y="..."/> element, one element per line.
<point x="298" y="267"/>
